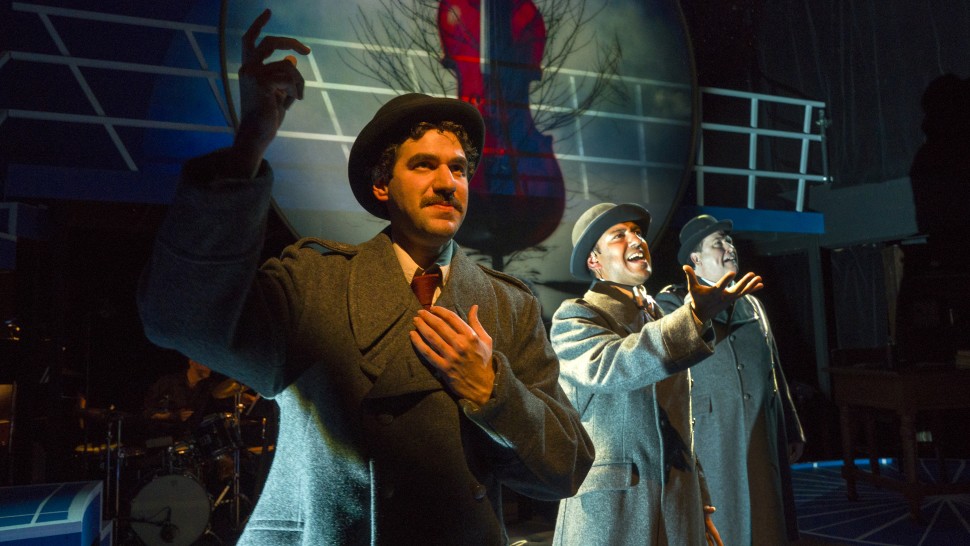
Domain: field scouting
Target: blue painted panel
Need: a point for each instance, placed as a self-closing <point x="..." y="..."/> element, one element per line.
<point x="66" y="513"/>
<point x="759" y="220"/>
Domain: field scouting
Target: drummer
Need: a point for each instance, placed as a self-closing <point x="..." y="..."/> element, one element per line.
<point x="176" y="397"/>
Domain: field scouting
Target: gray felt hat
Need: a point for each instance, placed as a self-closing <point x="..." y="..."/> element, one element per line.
<point x="694" y="232"/>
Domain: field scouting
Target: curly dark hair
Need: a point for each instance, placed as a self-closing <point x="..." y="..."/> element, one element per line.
<point x="384" y="167"/>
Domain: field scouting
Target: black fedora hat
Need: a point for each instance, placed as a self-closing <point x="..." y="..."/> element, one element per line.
<point x="591" y="226"/>
<point x="391" y="123"/>
<point x="694" y="232"/>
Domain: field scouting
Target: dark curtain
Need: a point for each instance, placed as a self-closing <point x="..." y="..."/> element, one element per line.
<point x="859" y="297"/>
<point x="870" y="61"/>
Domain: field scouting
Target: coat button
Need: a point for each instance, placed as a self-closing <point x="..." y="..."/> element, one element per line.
<point x="385" y="418"/>
<point x="733" y="337"/>
<point x="479" y="491"/>
<point x="747" y="396"/>
<point x="740" y="366"/>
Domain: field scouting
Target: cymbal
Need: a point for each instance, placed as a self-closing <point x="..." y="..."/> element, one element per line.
<point x="228" y="388"/>
<point x="103" y="414"/>
<point x="95" y="448"/>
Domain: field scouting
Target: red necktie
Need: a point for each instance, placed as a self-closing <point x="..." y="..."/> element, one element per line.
<point x="425" y="285"/>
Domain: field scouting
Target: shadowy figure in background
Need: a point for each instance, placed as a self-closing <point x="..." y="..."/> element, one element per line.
<point x="176" y="397"/>
<point x="933" y="295"/>
<point x="940" y="172"/>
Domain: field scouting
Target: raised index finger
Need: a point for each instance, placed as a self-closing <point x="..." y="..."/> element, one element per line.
<point x="249" y="38"/>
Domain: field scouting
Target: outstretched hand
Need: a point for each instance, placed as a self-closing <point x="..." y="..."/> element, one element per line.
<point x="708" y="301"/>
<point x="461" y="352"/>
<point x="266" y="91"/>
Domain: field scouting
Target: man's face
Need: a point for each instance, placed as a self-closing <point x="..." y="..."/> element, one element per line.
<point x="621" y="255"/>
<point x="427" y="195"/>
<point x="202" y="371"/>
<point x="717" y="257"/>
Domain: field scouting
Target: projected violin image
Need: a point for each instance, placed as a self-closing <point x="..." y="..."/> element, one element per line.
<point x="495" y="49"/>
<point x="570" y="115"/>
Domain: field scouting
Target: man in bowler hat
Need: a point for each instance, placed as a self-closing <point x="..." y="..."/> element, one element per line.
<point x="400" y="420"/>
<point x="746" y="422"/>
<point x="624" y="365"/>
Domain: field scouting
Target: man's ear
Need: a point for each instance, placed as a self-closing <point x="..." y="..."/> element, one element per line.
<point x="592" y="263"/>
<point x="695" y="259"/>
<point x="380" y="191"/>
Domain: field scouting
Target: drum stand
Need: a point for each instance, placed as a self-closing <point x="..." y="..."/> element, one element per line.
<point x="234" y="485"/>
<point x="115" y="484"/>
<point x="112" y="487"/>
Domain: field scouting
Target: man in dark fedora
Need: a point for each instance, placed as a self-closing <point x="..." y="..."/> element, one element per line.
<point x="624" y="365"/>
<point x="400" y="419"/>
<point x="746" y="422"/>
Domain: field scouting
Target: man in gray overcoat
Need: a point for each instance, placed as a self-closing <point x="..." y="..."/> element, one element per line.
<point x="744" y="416"/>
<point x="402" y="413"/>
<point x="623" y="365"/>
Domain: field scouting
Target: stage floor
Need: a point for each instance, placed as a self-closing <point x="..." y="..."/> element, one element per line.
<point x="826" y="516"/>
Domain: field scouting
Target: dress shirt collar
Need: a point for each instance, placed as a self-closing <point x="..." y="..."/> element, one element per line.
<point x="411" y="268"/>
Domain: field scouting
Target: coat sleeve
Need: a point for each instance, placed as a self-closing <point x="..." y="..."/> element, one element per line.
<point x="548" y="452"/>
<point x="199" y="293"/>
<point x="595" y="357"/>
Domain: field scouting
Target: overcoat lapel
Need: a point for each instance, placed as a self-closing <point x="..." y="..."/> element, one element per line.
<point x="744" y="312"/>
<point x="464" y="289"/>
<point x="381" y="307"/>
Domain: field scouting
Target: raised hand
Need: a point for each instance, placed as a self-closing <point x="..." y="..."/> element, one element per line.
<point x="708" y="301"/>
<point x="461" y="352"/>
<point x="266" y="91"/>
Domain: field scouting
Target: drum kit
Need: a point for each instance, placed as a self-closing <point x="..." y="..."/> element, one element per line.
<point x="181" y="490"/>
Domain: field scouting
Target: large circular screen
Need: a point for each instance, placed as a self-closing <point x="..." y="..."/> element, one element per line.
<point x="584" y="102"/>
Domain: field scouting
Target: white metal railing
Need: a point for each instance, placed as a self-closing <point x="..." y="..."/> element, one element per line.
<point x="814" y="124"/>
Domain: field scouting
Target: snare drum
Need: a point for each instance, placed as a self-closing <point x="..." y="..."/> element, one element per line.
<point x="172" y="509"/>
<point x="182" y="458"/>
<point x="217" y="434"/>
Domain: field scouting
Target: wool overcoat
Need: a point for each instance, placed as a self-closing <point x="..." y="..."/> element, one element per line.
<point x="371" y="448"/>
<point x="629" y="381"/>
<point x="744" y="420"/>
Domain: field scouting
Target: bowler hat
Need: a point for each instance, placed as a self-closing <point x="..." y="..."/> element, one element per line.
<point x="694" y="232"/>
<point x="392" y="123"/>
<point x="593" y="223"/>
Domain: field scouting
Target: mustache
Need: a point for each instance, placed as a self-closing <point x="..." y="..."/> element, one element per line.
<point x="438" y="199"/>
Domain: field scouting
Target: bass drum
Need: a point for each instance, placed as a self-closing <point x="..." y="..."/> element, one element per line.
<point x="172" y="509"/>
